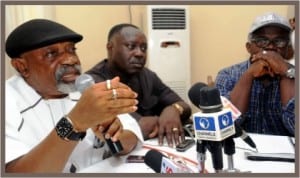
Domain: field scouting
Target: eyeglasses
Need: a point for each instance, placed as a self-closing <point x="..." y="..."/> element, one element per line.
<point x="264" y="42"/>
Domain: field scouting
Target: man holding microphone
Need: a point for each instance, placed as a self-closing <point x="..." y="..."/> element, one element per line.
<point x="48" y="126"/>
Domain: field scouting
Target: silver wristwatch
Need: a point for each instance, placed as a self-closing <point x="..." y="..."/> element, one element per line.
<point x="290" y="73"/>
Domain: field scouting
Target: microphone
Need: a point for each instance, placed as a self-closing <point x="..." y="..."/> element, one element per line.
<point x="162" y="164"/>
<point x="194" y="96"/>
<point x="212" y="124"/>
<point x="82" y="82"/>
<point x="212" y="97"/>
<point x="239" y="132"/>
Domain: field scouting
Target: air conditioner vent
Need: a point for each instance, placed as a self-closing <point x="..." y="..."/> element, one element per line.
<point x="167" y="18"/>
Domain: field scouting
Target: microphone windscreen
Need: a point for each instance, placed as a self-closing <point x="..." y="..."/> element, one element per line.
<point x="83" y="81"/>
<point x="194" y="93"/>
<point x="210" y="98"/>
<point x="153" y="159"/>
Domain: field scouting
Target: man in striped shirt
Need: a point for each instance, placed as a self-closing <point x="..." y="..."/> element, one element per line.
<point x="263" y="86"/>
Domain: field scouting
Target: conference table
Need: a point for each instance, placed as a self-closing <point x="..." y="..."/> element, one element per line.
<point x="264" y="143"/>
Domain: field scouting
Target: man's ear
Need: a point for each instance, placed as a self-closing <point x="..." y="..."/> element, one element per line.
<point x="248" y="47"/>
<point x="289" y="54"/>
<point x="109" y="46"/>
<point x="20" y="64"/>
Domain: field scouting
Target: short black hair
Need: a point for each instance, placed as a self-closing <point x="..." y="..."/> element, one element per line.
<point x="117" y="28"/>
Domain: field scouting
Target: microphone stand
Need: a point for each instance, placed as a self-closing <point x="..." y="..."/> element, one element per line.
<point x="229" y="150"/>
<point x="215" y="148"/>
<point x="201" y="156"/>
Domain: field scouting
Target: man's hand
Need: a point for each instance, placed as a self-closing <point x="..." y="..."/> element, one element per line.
<point x="149" y="126"/>
<point x="111" y="128"/>
<point x="275" y="61"/>
<point x="268" y="62"/>
<point x="170" y="126"/>
<point x="260" y="68"/>
<point x="97" y="105"/>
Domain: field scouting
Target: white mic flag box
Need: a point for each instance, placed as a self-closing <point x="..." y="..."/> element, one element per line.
<point x="174" y="166"/>
<point x="213" y="126"/>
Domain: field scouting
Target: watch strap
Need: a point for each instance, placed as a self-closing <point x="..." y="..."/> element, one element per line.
<point x="178" y="108"/>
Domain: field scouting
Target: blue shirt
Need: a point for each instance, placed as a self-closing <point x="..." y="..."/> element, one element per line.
<point x="265" y="114"/>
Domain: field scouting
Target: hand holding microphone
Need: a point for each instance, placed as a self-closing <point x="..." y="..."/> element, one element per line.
<point x="100" y="103"/>
<point x="99" y="106"/>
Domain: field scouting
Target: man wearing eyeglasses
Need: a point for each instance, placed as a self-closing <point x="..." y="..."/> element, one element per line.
<point x="263" y="87"/>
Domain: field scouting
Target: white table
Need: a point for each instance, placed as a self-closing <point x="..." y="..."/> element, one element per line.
<point x="265" y="144"/>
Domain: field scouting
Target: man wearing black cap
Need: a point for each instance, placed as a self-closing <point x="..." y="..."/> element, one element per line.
<point x="49" y="126"/>
<point x="263" y="87"/>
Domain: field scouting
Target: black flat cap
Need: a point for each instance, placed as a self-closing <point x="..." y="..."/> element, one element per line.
<point x="38" y="33"/>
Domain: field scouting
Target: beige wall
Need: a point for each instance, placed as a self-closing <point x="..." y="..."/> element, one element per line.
<point x="218" y="32"/>
<point x="94" y="22"/>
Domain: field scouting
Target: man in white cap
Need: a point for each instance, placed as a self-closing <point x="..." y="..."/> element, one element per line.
<point x="263" y="86"/>
<point x="48" y="126"/>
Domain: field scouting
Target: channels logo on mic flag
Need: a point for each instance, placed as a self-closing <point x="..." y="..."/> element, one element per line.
<point x="213" y="126"/>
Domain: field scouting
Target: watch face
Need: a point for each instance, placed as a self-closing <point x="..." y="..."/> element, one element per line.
<point x="291" y="73"/>
<point x="64" y="127"/>
<point x="65" y="130"/>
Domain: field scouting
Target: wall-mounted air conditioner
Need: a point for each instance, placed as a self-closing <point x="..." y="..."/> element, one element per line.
<point x="168" y="31"/>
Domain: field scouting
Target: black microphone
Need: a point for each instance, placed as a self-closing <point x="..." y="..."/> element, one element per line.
<point x="239" y="132"/>
<point x="211" y="99"/>
<point x="194" y="93"/>
<point x="162" y="164"/>
<point x="153" y="159"/>
<point x="207" y="122"/>
<point x="82" y="82"/>
<point x="194" y="96"/>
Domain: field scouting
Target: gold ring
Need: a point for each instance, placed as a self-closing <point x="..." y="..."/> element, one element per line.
<point x="175" y="129"/>
<point x="108" y="84"/>
<point x="114" y="94"/>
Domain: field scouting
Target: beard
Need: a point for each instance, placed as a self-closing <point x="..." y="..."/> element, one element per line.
<point x="66" y="87"/>
<point x="63" y="86"/>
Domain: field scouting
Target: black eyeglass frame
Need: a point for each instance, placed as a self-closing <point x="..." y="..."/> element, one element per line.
<point x="263" y="42"/>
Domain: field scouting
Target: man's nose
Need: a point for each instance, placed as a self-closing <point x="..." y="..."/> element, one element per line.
<point x="139" y="52"/>
<point x="68" y="59"/>
<point x="271" y="46"/>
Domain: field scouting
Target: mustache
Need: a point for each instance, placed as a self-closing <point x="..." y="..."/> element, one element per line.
<point x="62" y="70"/>
<point x="135" y="60"/>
